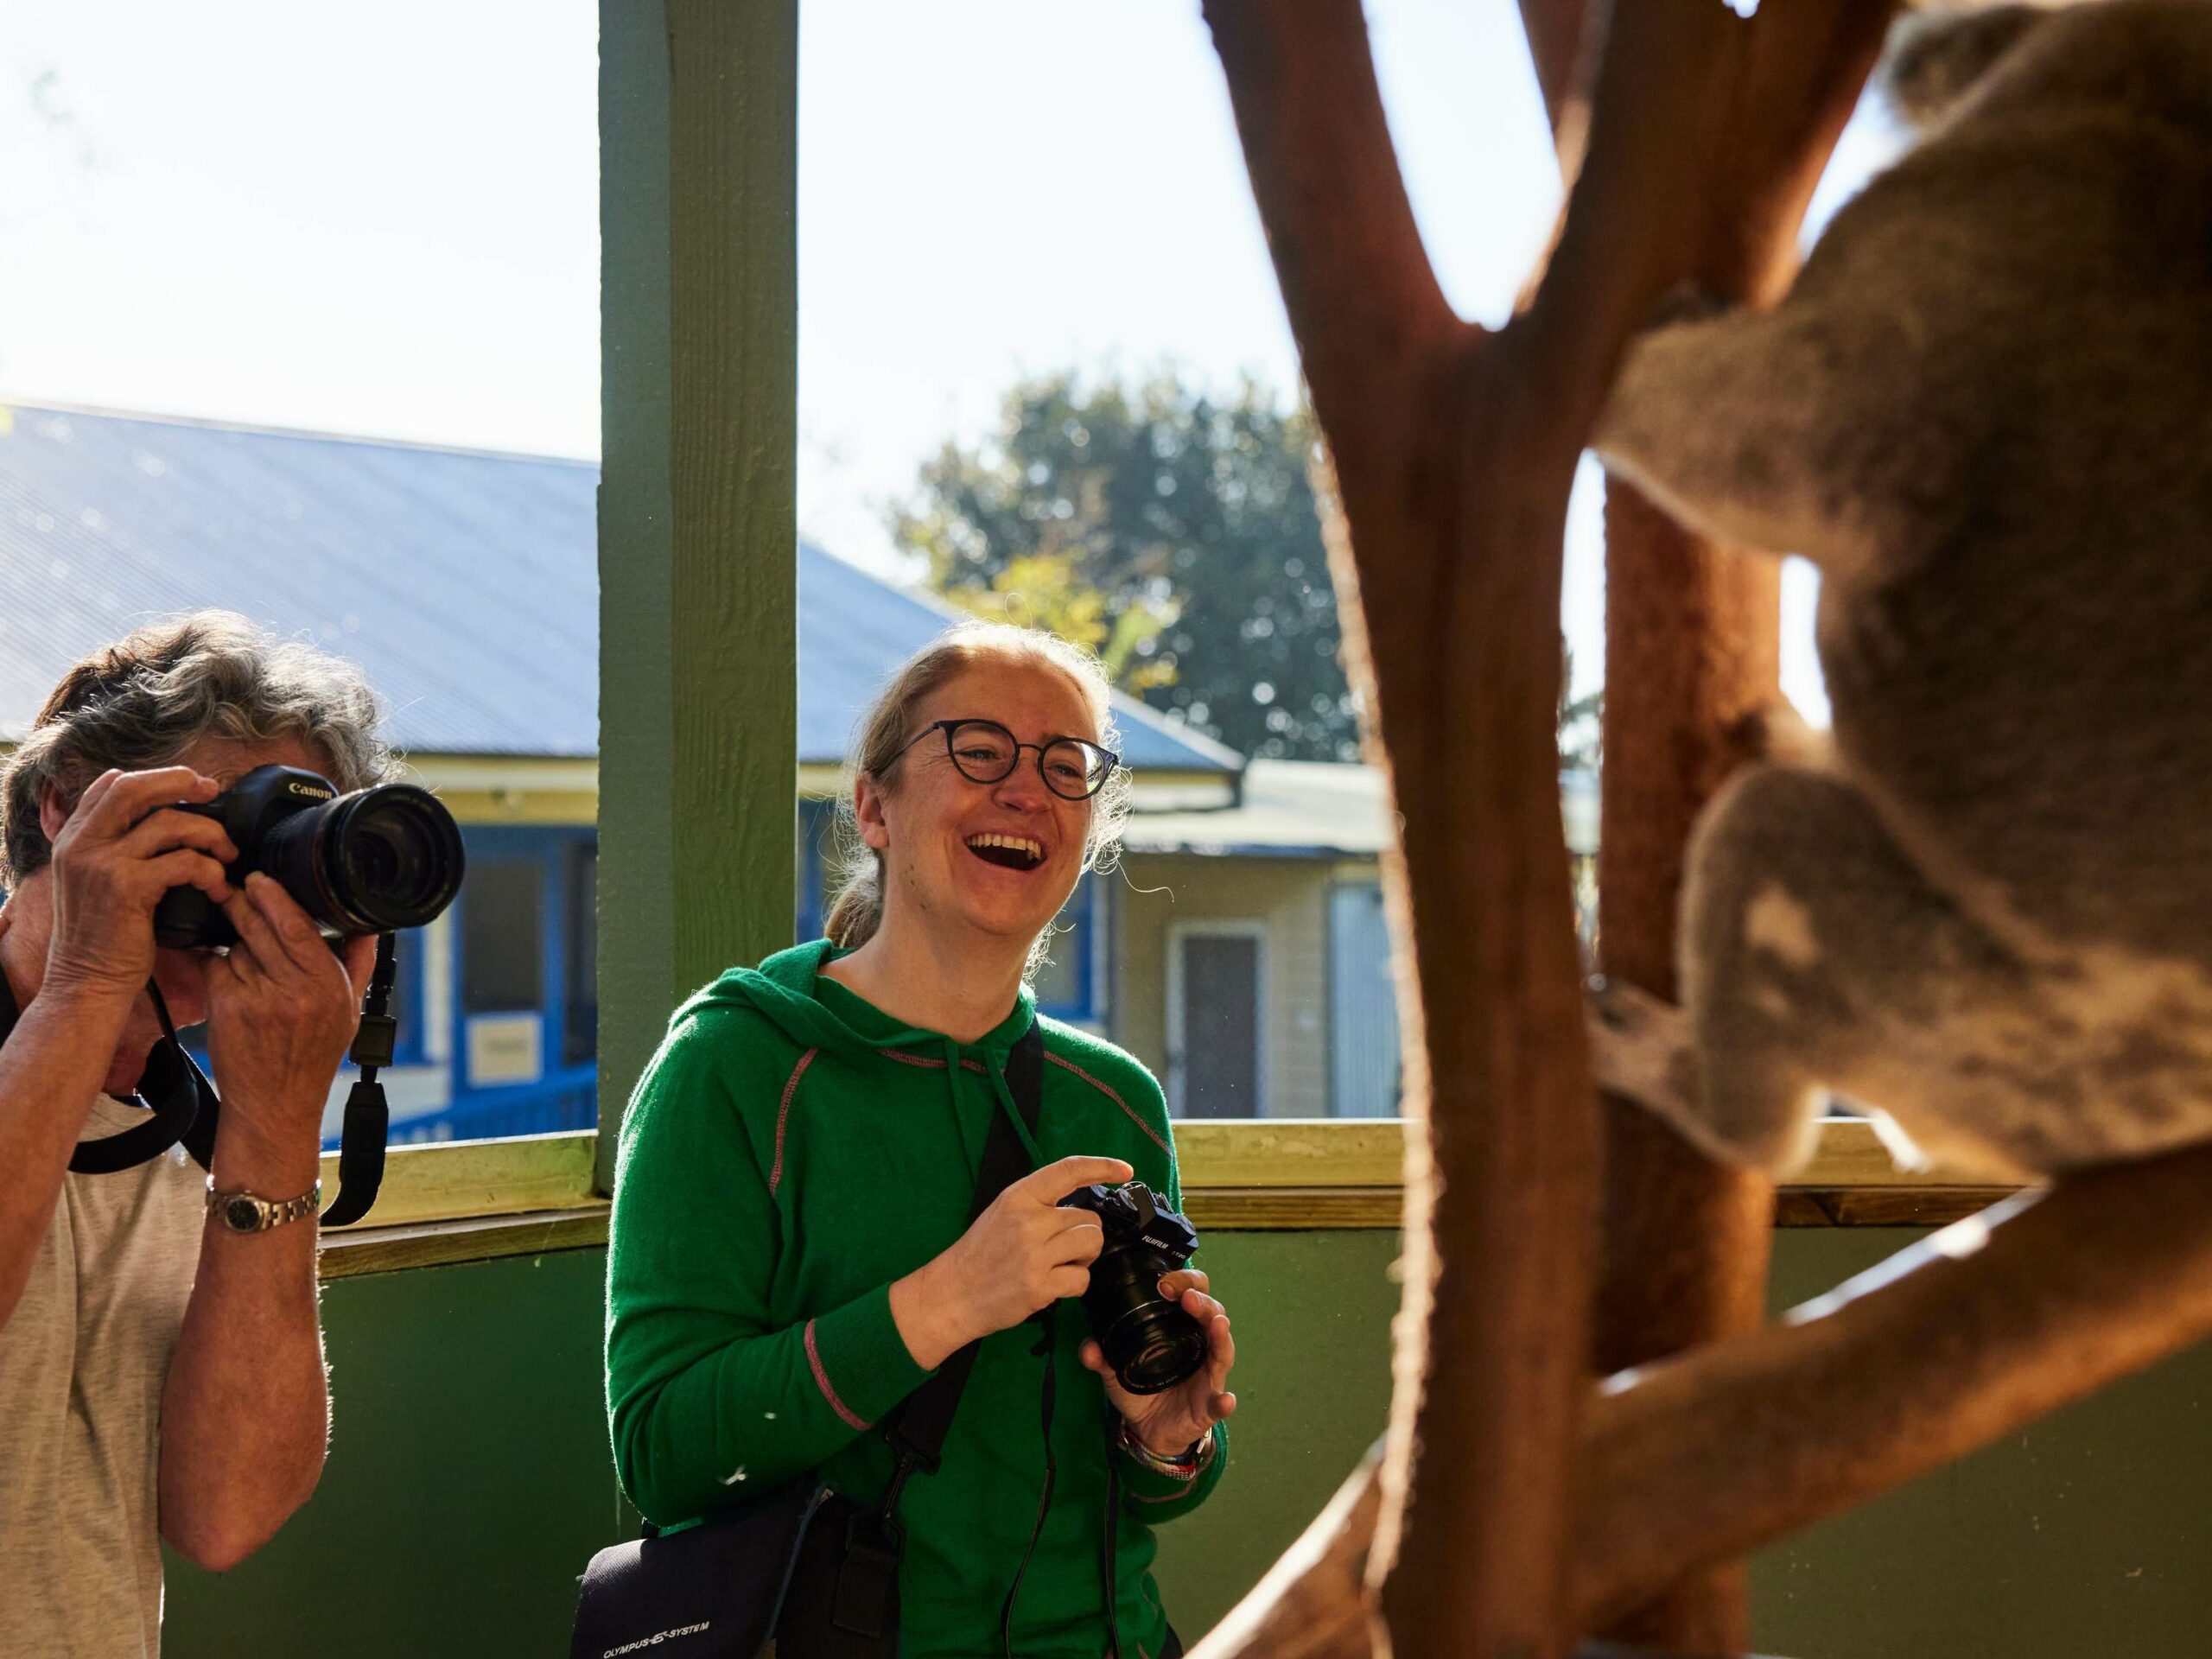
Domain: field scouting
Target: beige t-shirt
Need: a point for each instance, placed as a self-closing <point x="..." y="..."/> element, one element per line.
<point x="82" y="1361"/>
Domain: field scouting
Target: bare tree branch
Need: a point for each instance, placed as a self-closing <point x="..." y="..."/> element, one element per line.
<point x="1692" y="639"/>
<point x="1948" y="1346"/>
<point x="1454" y="453"/>
<point x="1363" y="300"/>
<point x="1312" y="1604"/>
<point x="1562" y="34"/>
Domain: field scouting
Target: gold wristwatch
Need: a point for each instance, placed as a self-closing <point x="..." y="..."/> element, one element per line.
<point x="248" y="1212"/>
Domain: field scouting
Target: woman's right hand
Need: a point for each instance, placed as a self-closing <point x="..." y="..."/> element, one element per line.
<point x="118" y="852"/>
<point x="1023" y="1253"/>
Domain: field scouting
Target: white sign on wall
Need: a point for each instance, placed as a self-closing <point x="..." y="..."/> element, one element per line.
<point x="506" y="1048"/>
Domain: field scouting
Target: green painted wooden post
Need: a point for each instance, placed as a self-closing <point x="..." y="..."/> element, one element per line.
<point x="697" y="507"/>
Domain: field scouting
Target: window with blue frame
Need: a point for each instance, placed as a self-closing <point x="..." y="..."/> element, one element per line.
<point x="502" y="947"/>
<point x="579" y="1029"/>
<point x="1070" y="985"/>
<point x="520" y="1000"/>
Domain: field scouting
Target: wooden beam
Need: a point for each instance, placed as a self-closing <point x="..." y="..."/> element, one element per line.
<point x="445" y="1181"/>
<point x="355" y="1251"/>
<point x="1947" y="1347"/>
<point x="698" y="520"/>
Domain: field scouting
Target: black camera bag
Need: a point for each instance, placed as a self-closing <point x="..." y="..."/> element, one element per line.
<point x="811" y="1571"/>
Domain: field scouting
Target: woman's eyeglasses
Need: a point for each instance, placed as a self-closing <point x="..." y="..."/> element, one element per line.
<point x="986" y="753"/>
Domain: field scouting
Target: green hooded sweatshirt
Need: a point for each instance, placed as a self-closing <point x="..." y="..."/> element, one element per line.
<point x="789" y="1154"/>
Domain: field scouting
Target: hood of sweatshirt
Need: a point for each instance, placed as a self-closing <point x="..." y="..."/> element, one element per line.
<point x="817" y="1013"/>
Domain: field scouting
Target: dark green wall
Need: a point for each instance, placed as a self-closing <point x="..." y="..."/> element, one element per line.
<point x="467" y="1484"/>
<point x="468" y="1480"/>
<point x="2082" y="1538"/>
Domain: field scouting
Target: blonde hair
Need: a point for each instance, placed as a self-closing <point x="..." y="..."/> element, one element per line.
<point x="880" y="750"/>
<point x="146" y="699"/>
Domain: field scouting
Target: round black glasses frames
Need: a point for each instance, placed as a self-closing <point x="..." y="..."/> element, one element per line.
<point x="986" y="753"/>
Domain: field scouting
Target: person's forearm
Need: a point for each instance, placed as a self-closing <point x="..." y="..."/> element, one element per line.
<point x="933" y="1320"/>
<point x="245" y="1414"/>
<point x="51" y="1070"/>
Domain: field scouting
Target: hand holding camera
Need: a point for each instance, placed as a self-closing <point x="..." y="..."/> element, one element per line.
<point x="281" y="1011"/>
<point x="1021" y="1254"/>
<point x="293" y="882"/>
<point x="1025" y="1252"/>
<point x="1158" y="1339"/>
<point x="1170" y="1423"/>
<point x="116" y="858"/>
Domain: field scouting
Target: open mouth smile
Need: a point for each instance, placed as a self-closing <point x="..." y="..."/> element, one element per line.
<point x="1008" y="852"/>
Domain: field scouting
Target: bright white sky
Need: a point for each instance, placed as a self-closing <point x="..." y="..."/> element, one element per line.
<point x="383" y="219"/>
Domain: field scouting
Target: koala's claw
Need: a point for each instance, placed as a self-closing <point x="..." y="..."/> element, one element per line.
<point x="1639" y="1046"/>
<point x="1687" y="302"/>
<point x="1776" y="732"/>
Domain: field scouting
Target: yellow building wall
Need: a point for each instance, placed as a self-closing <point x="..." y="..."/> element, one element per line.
<point x="1290" y="898"/>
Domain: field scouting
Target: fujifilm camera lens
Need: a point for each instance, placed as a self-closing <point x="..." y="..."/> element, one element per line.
<point x="1150" y="1343"/>
<point x="373" y="861"/>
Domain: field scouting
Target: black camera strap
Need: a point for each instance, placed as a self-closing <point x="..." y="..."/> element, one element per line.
<point x="368" y="1120"/>
<point x="181" y="1102"/>
<point x="184" y="1109"/>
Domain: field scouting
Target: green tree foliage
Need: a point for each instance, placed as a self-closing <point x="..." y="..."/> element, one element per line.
<point x="1173" y="531"/>
<point x="1044" y="590"/>
<point x="1581" y="722"/>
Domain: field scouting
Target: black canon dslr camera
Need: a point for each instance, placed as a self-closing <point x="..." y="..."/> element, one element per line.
<point x="372" y="862"/>
<point x="1150" y="1343"/>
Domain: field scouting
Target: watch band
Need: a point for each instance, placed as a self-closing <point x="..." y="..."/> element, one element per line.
<point x="248" y="1212"/>
<point x="1184" y="1466"/>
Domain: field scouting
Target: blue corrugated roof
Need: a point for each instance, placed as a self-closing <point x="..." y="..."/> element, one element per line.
<point x="854" y="631"/>
<point x="464" y="583"/>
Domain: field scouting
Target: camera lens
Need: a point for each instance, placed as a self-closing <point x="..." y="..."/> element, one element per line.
<point x="372" y="862"/>
<point x="391" y="857"/>
<point x="1150" y="1343"/>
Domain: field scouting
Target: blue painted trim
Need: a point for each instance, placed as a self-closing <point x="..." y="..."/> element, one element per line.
<point x="553" y="958"/>
<point x="1081" y="909"/>
<point x="1110" y="955"/>
<point x="817" y="822"/>
<point x="411" y="1047"/>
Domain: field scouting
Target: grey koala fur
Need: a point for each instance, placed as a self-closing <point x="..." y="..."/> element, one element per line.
<point x="1985" y="411"/>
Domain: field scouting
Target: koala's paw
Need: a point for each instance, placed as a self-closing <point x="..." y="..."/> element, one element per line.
<point x="1776" y="731"/>
<point x="1936" y="57"/>
<point x="1640" y="1049"/>
<point x="1687" y="302"/>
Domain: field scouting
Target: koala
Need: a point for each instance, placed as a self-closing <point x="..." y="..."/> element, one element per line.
<point x="1984" y="411"/>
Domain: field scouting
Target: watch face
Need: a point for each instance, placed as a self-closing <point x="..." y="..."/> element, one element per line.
<point x="242" y="1215"/>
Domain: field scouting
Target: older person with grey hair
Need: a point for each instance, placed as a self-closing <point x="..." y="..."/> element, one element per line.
<point x="161" y="1374"/>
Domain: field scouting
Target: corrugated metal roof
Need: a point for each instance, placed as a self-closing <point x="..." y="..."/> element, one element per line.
<point x="1315" y="808"/>
<point x="465" y="583"/>
<point x="854" y="631"/>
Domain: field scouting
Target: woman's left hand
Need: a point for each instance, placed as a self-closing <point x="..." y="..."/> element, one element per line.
<point x="1171" y="1423"/>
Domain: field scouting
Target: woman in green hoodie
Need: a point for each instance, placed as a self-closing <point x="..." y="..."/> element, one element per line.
<point x="791" y="1254"/>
